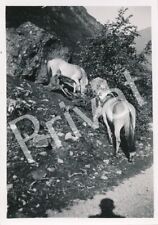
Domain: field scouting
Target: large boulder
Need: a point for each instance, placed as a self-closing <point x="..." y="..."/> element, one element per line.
<point x="28" y="50"/>
<point x="97" y="84"/>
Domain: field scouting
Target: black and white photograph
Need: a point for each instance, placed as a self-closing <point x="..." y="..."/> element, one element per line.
<point x="79" y="111"/>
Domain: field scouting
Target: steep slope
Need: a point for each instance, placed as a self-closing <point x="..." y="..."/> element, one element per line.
<point x="76" y="171"/>
<point x="71" y="24"/>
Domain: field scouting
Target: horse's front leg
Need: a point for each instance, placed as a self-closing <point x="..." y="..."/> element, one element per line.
<point x="74" y="91"/>
<point x="96" y="116"/>
<point x="76" y="85"/>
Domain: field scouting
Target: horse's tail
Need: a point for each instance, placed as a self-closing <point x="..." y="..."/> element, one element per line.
<point x="129" y="132"/>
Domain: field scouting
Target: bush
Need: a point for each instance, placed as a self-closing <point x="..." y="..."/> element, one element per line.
<point x="113" y="51"/>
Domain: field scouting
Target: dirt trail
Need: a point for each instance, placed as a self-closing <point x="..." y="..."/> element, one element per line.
<point x="133" y="199"/>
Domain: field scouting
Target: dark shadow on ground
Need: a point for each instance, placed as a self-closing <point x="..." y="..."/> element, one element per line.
<point x="107" y="206"/>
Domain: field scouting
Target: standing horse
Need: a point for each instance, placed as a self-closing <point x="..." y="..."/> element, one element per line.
<point x="74" y="72"/>
<point x="117" y="114"/>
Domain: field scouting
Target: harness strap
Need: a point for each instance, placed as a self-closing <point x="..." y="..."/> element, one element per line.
<point x="107" y="97"/>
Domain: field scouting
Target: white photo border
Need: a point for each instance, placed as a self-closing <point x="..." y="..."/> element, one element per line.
<point x="3" y="124"/>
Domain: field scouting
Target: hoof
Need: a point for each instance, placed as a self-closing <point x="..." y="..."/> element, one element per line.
<point x="110" y="142"/>
<point x="131" y="157"/>
<point x="130" y="160"/>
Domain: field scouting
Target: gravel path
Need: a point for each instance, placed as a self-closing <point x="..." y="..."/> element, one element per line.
<point x="133" y="199"/>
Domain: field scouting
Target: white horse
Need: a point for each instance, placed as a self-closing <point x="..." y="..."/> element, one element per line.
<point x="74" y="72"/>
<point x="117" y="114"/>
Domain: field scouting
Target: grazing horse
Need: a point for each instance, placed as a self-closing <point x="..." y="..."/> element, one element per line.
<point x="117" y="114"/>
<point x="74" y="72"/>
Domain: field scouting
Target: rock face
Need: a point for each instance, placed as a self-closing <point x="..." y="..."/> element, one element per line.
<point x="71" y="24"/>
<point x="37" y="34"/>
<point x="28" y="49"/>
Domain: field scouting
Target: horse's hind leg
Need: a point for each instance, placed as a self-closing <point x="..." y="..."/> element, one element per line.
<point x="117" y="130"/>
<point x="108" y="128"/>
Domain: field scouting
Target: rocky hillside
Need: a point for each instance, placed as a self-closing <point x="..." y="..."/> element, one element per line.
<point x="37" y="34"/>
<point x="76" y="171"/>
<point x="28" y="49"/>
<point x="69" y="23"/>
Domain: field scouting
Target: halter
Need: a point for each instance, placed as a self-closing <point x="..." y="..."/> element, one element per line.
<point x="106" y="97"/>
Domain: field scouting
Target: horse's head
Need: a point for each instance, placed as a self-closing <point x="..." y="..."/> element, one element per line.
<point x="103" y="95"/>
